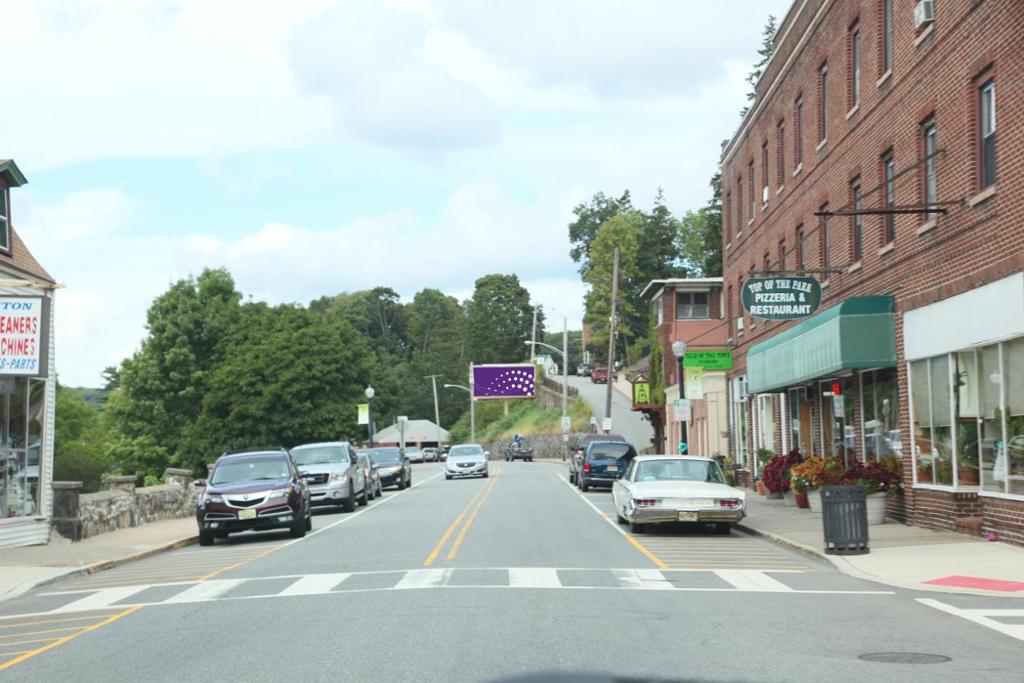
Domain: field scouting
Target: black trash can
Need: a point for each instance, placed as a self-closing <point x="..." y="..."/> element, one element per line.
<point x="844" y="516"/>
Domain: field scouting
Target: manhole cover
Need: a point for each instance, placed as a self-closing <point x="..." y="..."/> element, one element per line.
<point x="904" y="658"/>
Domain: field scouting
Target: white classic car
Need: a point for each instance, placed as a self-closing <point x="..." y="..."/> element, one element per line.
<point x="658" y="489"/>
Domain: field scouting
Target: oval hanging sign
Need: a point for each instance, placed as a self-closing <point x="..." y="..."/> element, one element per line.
<point x="781" y="298"/>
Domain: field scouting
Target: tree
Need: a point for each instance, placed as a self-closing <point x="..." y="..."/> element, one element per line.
<point x="701" y="234"/>
<point x="590" y="217"/>
<point x="499" y="320"/>
<point x="622" y="231"/>
<point x="80" y="441"/>
<point x="659" y="244"/>
<point x="437" y="327"/>
<point x="765" y="52"/>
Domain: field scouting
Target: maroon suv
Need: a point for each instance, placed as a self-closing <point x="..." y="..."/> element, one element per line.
<point x="253" y="490"/>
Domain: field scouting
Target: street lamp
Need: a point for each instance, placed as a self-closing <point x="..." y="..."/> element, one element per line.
<point x="369" y="411"/>
<point x="472" y="409"/>
<point x="564" y="353"/>
<point x="679" y="351"/>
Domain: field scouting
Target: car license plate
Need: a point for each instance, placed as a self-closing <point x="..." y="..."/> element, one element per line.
<point x="611" y="468"/>
<point x="247" y="514"/>
<point x="687" y="516"/>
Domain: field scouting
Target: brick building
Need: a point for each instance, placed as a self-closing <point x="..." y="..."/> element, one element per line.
<point x="872" y="161"/>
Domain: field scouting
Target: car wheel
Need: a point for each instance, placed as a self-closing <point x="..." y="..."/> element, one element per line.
<point x="447" y="476"/>
<point x="380" y="490"/>
<point x="485" y="474"/>
<point x="205" y="537"/>
<point x="309" y="520"/>
<point x="584" y="485"/>
<point x="636" y="528"/>
<point x="723" y="528"/>
<point x="363" y="498"/>
<point x="619" y="518"/>
<point x="572" y="477"/>
<point x="221" y="534"/>
<point x="298" y="528"/>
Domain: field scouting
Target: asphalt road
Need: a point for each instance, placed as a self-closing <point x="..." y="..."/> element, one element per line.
<point x="479" y="580"/>
<point x="633" y="426"/>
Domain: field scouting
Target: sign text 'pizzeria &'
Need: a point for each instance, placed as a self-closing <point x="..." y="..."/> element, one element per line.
<point x="781" y="298"/>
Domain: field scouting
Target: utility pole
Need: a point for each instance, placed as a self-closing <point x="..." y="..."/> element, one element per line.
<point x="472" y="406"/>
<point x="437" y="413"/>
<point x="533" y="338"/>
<point x="611" y="336"/>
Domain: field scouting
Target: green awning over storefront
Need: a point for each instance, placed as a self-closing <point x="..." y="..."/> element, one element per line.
<point x="856" y="334"/>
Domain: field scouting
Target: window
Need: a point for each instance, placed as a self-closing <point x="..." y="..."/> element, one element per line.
<point x="881" y="411"/>
<point x="857" y="221"/>
<point x="889" y="183"/>
<point x="5" y="229"/>
<point x="826" y="261"/>
<point x="740" y="415"/>
<point x="854" y="67"/>
<point x="764" y="172"/>
<point x="931" y="179"/>
<point x="798" y="136"/>
<point x="766" y="421"/>
<point x="886" y="36"/>
<point x="739" y="205"/>
<point x="750" y="175"/>
<point x="728" y="216"/>
<point x="782" y="255"/>
<point x="987" y="115"/>
<point x="931" y="402"/>
<point x="20" y="420"/>
<point x="780" y="153"/>
<point x="691" y="305"/>
<point x="800" y="247"/>
<point x="659" y="310"/>
<point x="823" y="102"/>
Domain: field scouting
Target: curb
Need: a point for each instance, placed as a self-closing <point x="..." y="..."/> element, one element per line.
<point x="105" y="564"/>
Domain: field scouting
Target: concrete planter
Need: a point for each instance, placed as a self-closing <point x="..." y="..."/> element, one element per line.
<point x="876" y="508"/>
<point x="814" y="500"/>
<point x="789" y="497"/>
<point x="773" y="495"/>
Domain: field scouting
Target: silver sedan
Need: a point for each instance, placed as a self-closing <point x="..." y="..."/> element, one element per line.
<point x="466" y="460"/>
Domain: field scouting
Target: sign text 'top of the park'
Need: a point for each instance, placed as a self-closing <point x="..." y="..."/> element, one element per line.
<point x="781" y="298"/>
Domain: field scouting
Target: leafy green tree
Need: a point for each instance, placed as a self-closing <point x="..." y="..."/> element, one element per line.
<point x="80" y="441"/>
<point x="590" y="216"/>
<point x="437" y="325"/>
<point x="499" y="320"/>
<point x="622" y="231"/>
<point x="765" y="54"/>
<point x="554" y="338"/>
<point x="701" y="234"/>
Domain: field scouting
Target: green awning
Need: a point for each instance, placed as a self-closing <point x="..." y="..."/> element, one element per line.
<point x="856" y="334"/>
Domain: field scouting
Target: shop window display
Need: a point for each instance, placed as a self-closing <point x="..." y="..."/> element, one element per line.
<point x="21" y="418"/>
<point x="881" y="414"/>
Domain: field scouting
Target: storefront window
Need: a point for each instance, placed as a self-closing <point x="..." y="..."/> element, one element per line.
<point x="881" y="414"/>
<point x="766" y="421"/>
<point x="21" y="418"/>
<point x="800" y="420"/>
<point x="932" y="428"/>
<point x="990" y="423"/>
<point x="965" y="409"/>
<point x="1013" y="381"/>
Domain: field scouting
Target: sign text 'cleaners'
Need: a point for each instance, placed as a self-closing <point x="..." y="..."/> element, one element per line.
<point x="21" y="327"/>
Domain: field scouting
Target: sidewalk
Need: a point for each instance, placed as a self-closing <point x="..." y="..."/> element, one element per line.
<point x="22" y="569"/>
<point x="902" y="556"/>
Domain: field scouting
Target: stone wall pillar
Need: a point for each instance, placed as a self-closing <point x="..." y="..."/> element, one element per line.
<point x="124" y="483"/>
<point x="178" y="477"/>
<point x="65" y="509"/>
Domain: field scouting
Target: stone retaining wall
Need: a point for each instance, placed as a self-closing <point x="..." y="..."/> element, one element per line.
<point x="79" y="515"/>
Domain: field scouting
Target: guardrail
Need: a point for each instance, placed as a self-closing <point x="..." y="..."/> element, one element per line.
<point x="556" y="386"/>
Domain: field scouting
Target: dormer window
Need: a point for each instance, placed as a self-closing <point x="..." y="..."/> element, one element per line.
<point x="690" y="305"/>
<point x="5" y="219"/>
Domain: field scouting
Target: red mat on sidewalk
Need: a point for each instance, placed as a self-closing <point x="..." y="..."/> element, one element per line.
<point x="978" y="582"/>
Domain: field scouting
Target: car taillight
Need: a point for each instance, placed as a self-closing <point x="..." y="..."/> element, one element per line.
<point x="644" y="502"/>
<point x="586" y="467"/>
<point x="729" y="503"/>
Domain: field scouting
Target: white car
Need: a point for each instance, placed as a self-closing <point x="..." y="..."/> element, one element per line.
<point x="659" y="489"/>
<point x="414" y="454"/>
<point x="466" y="460"/>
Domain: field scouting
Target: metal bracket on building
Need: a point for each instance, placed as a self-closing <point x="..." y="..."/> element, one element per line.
<point x="932" y="207"/>
<point x="800" y="271"/>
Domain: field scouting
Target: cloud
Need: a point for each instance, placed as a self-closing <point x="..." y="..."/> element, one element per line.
<point x="367" y="58"/>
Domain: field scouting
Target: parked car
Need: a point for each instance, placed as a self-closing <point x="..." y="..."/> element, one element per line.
<point x="583" y="369"/>
<point x="442" y="453"/>
<point x="393" y="467"/>
<point x="519" y="451"/>
<point x="599" y="375"/>
<point x="466" y="460"/>
<point x="414" y="454"/>
<point x="659" y="489"/>
<point x="603" y="463"/>
<point x="372" y="474"/>
<point x="334" y="476"/>
<point x="576" y="461"/>
<point x="430" y="454"/>
<point x="257" y="490"/>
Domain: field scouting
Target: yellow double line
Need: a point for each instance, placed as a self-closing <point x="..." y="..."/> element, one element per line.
<point x="478" y="499"/>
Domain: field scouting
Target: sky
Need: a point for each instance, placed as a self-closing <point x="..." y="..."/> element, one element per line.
<point x="318" y="146"/>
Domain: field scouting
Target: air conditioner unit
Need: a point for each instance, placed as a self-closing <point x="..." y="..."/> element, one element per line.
<point x="924" y="13"/>
<point x="764" y="194"/>
<point x="739" y="324"/>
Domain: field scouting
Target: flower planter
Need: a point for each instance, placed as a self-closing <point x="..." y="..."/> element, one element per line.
<point x="773" y="495"/>
<point x="814" y="500"/>
<point x="801" y="500"/>
<point x="876" y="508"/>
<point x="790" y="497"/>
<point x="968" y="476"/>
<point x="760" y="487"/>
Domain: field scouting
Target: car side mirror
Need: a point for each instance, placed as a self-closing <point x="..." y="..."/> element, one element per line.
<point x="199" y="483"/>
<point x="487" y="454"/>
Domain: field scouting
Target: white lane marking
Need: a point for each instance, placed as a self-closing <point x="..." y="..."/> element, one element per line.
<point x="645" y="579"/>
<point x="315" y="584"/>
<point x="102" y="599"/>
<point x="614" y="524"/>
<point x="207" y="590"/>
<point x="533" y="577"/>
<point x="424" y="578"/>
<point x="752" y="580"/>
<point x="352" y="515"/>
<point x="975" y="615"/>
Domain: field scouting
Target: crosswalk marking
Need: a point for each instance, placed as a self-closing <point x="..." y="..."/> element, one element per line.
<point x="534" y="577"/>
<point x="207" y="590"/>
<point x="982" y="617"/>
<point x="647" y="579"/>
<point x="752" y="580"/>
<point x="102" y="599"/>
<point x="315" y="584"/>
<point x="424" y="578"/>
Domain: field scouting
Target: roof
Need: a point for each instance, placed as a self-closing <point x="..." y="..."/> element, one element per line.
<point x="415" y="430"/>
<point x="10" y="172"/>
<point x="685" y="281"/>
<point x="20" y="259"/>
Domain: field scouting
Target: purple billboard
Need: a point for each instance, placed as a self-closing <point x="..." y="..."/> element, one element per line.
<point x="503" y="381"/>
